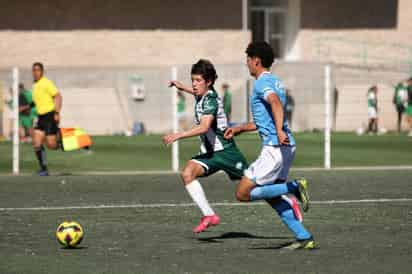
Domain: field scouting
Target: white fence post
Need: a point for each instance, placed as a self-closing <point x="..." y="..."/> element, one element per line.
<point x="328" y="120"/>
<point x="16" y="167"/>
<point x="175" y="145"/>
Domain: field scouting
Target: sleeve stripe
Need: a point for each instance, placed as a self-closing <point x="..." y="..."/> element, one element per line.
<point x="267" y="93"/>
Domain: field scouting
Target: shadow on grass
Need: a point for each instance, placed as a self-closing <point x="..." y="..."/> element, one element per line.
<point x="73" y="248"/>
<point x="274" y="247"/>
<point x="282" y="246"/>
<point x="236" y="235"/>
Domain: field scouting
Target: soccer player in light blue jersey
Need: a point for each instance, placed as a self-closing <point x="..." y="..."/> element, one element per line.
<point x="266" y="178"/>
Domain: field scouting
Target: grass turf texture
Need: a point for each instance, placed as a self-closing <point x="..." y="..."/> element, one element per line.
<point x="147" y="153"/>
<point x="354" y="237"/>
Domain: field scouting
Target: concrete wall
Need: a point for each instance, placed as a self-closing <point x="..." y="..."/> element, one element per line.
<point x="104" y="48"/>
<point x="374" y="27"/>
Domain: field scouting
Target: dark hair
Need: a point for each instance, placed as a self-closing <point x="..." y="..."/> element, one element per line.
<point x="263" y="51"/>
<point x="38" y="64"/>
<point x="206" y="69"/>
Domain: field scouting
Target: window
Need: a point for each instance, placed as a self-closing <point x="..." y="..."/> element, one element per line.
<point x="268" y="23"/>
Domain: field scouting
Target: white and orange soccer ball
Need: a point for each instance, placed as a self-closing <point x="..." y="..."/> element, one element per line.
<point x="69" y="234"/>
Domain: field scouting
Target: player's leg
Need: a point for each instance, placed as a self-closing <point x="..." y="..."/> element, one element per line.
<point x="37" y="141"/>
<point x="52" y="132"/>
<point x="409" y="115"/>
<point x="259" y="180"/>
<point x="288" y="154"/>
<point x="248" y="190"/>
<point x="52" y="142"/>
<point x="287" y="208"/>
<point x="370" y="125"/>
<point x="303" y="237"/>
<point x="399" y="110"/>
<point x="193" y="170"/>
<point x="22" y="133"/>
<point x="375" y="129"/>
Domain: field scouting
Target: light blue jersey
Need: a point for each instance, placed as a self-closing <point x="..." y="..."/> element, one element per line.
<point x="262" y="113"/>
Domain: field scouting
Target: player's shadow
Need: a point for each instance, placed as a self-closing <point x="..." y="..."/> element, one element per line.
<point x="236" y="235"/>
<point x="283" y="246"/>
<point x="274" y="247"/>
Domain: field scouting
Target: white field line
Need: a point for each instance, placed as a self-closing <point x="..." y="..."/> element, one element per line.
<point x="174" y="205"/>
<point x="165" y="172"/>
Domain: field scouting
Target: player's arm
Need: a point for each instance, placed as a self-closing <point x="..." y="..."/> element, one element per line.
<point x="58" y="101"/>
<point x="233" y="131"/>
<point x="277" y="112"/>
<point x="24" y="108"/>
<point x="205" y="123"/>
<point x="181" y="86"/>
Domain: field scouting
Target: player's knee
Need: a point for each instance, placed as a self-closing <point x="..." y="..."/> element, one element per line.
<point x="187" y="176"/>
<point x="242" y="196"/>
<point x="51" y="145"/>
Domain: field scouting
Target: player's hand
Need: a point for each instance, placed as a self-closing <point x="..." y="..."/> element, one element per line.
<point x="170" y="138"/>
<point x="176" y="84"/>
<point x="57" y="117"/>
<point x="283" y="138"/>
<point x="230" y="133"/>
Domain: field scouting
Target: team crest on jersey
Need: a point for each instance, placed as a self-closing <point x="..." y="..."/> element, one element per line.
<point x="239" y="165"/>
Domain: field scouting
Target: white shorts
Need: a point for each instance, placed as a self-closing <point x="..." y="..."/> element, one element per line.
<point x="272" y="165"/>
<point x="372" y="113"/>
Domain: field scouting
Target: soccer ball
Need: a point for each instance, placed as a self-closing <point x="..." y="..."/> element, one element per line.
<point x="69" y="234"/>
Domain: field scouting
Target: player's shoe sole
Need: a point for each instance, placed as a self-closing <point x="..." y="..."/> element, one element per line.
<point x="303" y="193"/>
<point x="308" y="244"/>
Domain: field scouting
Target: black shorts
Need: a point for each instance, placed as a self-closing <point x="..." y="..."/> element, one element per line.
<point x="47" y="124"/>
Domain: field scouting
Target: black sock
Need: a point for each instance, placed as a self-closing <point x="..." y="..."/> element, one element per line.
<point x="41" y="157"/>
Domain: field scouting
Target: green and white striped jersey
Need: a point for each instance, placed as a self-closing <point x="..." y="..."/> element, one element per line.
<point x="372" y="99"/>
<point x="213" y="140"/>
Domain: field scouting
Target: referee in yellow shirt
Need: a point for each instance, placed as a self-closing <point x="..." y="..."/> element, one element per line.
<point x="48" y="102"/>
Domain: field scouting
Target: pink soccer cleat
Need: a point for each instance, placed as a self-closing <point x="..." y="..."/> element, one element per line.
<point x="293" y="202"/>
<point x="205" y="222"/>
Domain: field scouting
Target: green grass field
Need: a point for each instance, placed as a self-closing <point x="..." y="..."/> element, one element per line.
<point x="144" y="153"/>
<point x="142" y="224"/>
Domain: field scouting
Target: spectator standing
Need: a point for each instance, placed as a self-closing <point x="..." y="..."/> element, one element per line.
<point x="409" y="106"/>
<point x="27" y="113"/>
<point x="400" y="100"/>
<point x="227" y="102"/>
<point x="373" y="109"/>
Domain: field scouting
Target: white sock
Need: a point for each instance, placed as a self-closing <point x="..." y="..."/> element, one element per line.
<point x="198" y="195"/>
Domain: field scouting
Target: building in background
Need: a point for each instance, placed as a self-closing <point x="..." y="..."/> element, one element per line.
<point x="113" y="33"/>
<point x="94" y="47"/>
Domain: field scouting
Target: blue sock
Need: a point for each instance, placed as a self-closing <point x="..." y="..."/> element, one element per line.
<point x="268" y="192"/>
<point x="285" y="212"/>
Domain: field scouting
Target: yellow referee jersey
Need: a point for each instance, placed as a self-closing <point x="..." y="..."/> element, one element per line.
<point x="44" y="91"/>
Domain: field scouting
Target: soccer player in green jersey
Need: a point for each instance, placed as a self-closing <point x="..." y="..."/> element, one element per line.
<point x="217" y="153"/>
<point x="373" y="109"/>
<point x="400" y="100"/>
<point x="409" y="106"/>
